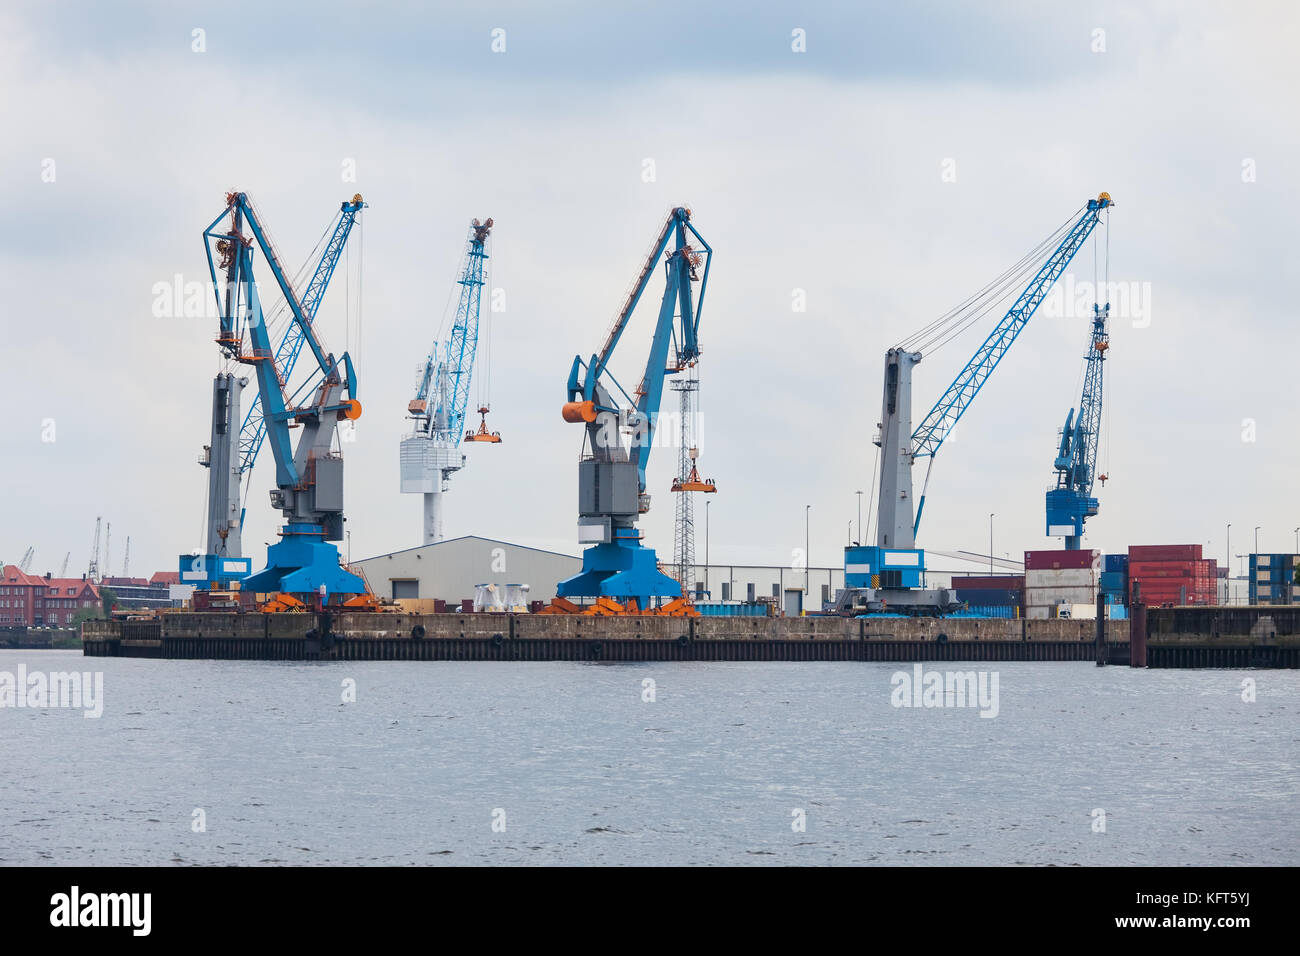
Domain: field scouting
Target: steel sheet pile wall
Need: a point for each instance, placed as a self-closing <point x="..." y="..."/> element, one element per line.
<point x="1172" y="574"/>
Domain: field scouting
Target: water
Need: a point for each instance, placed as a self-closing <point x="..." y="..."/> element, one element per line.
<point x="586" y="772"/>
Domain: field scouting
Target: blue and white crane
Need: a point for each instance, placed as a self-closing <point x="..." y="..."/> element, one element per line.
<point x="431" y="454"/>
<point x="1071" y="502"/>
<point x="232" y="449"/>
<point x="309" y="479"/>
<point x="891" y="573"/>
<point x="612" y="473"/>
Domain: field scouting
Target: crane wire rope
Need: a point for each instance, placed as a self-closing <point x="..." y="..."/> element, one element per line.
<point x="951" y="324"/>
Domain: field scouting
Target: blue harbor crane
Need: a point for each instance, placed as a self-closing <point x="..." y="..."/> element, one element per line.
<point x="431" y="454"/>
<point x="618" y="571"/>
<point x="1071" y="502"/>
<point x="231" y="453"/>
<point x="309" y="479"/>
<point x="891" y="573"/>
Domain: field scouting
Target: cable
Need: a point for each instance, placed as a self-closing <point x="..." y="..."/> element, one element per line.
<point x="958" y="319"/>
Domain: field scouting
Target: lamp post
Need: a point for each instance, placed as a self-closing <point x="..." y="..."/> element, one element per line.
<point x="707" y="502"/>
<point x="1297" y="540"/>
<point x="990" y="544"/>
<point x="860" y="520"/>
<point x="1257" y="539"/>
<point x="807" y="546"/>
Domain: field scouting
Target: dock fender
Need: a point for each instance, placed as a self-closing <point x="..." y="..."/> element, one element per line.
<point x="417" y="632"/>
<point x="684" y="641"/>
<point x="311" y="635"/>
<point x="942" y="638"/>
<point x="497" y="640"/>
<point x="597" y="649"/>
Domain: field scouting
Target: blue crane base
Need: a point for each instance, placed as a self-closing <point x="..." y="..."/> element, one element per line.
<point x="621" y="572"/>
<point x="299" y="563"/>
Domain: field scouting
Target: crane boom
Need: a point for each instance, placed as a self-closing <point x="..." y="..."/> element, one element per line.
<point x="253" y="431"/>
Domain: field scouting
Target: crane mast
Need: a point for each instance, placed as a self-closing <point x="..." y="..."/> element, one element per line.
<point x="431" y="454"/>
<point x="612" y="474"/>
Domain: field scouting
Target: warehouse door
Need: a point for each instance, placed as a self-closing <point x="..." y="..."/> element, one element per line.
<point x="793" y="602"/>
<point x="406" y="589"/>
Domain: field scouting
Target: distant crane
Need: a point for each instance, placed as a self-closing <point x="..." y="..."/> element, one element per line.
<point x="92" y="573"/>
<point x="26" y="563"/>
<point x="126" y="559"/>
<point x="108" y="550"/>
<point x="618" y="571"/>
<point x="1071" y="502"/>
<point x="892" y="572"/>
<point x="309" y="479"/>
<point x="431" y="454"/>
<point x="63" y="571"/>
<point x="687" y="482"/>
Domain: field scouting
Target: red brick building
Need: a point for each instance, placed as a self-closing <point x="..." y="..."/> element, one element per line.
<point x="31" y="600"/>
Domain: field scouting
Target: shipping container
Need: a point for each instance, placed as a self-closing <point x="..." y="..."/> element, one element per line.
<point x="1164" y="552"/>
<point x="1116" y="562"/>
<point x="1062" y="577"/>
<point x="1113" y="582"/>
<point x="1049" y="560"/>
<point x="1039" y="613"/>
<point x="986" y="610"/>
<point x="1046" y="597"/>
<point x="1001" y="582"/>
<point x="1005" y="597"/>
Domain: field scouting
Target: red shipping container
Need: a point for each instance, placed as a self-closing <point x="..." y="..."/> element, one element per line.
<point x="1164" y="552"/>
<point x="988" y="582"/>
<point x="1054" y="560"/>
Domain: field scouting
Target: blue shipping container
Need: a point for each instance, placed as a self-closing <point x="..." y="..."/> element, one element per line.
<point x="986" y="610"/>
<point x="1116" y="562"/>
<point x="1113" y="582"/>
<point x="727" y="609"/>
<point x="989" y="596"/>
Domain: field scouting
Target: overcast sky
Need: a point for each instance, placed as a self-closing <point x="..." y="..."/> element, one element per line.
<point x="907" y="157"/>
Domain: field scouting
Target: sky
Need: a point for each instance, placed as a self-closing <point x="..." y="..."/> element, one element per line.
<point x="878" y="162"/>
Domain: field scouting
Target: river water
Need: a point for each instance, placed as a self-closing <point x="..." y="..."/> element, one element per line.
<point x="226" y="762"/>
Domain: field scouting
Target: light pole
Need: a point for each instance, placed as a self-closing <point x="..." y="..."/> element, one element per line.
<point x="807" y="546"/>
<point x="850" y="532"/>
<point x="349" y="534"/>
<point x="860" y="520"/>
<point x="1297" y="540"/>
<point x="1228" y="548"/>
<point x="990" y="544"/>
<point x="707" y="502"/>
<point x="1257" y="539"/>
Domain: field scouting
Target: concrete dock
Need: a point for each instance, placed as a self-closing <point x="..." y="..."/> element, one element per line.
<point x="1176" y="637"/>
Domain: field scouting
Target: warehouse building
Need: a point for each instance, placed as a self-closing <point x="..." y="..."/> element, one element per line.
<point x="452" y="570"/>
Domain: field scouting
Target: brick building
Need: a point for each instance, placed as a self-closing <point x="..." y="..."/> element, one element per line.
<point x="31" y="600"/>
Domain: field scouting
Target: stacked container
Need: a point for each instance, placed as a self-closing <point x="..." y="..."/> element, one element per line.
<point x="1059" y="579"/>
<point x="1172" y="574"/>
<point x="987" y="591"/>
<point x="1272" y="579"/>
